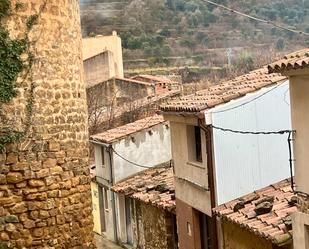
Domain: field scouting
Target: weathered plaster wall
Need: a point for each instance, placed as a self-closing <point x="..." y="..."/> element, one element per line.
<point x="95" y="45"/>
<point x="145" y="149"/>
<point x="96" y="207"/>
<point x="153" y="228"/>
<point x="189" y="175"/>
<point x="116" y="92"/>
<point x="99" y="68"/>
<point x="45" y="198"/>
<point x="299" y="88"/>
<point x="188" y="226"/>
<point x="235" y="237"/>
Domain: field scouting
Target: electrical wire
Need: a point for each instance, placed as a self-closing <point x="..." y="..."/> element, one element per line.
<point x="248" y="102"/>
<point x="256" y="18"/>
<point x="133" y="163"/>
<point x="281" y="132"/>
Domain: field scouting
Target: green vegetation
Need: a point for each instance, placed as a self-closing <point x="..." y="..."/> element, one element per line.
<point x="192" y="26"/>
<point x="11" y="66"/>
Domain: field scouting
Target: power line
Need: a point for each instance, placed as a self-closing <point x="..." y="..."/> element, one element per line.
<point x="123" y="158"/>
<point x="281" y="132"/>
<point x="256" y="18"/>
<point x="248" y="102"/>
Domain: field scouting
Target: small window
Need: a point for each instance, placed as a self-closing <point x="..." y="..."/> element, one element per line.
<point x="194" y="144"/>
<point x="189" y="229"/>
<point x="102" y="156"/>
<point x="198" y="144"/>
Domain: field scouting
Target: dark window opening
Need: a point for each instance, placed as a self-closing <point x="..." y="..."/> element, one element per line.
<point x="198" y="144"/>
<point x="102" y="156"/>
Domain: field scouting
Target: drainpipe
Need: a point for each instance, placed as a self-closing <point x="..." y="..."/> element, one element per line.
<point x="111" y="181"/>
<point x="211" y="177"/>
<point x="110" y="153"/>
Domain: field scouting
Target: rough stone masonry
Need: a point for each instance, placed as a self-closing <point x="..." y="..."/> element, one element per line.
<point x="45" y="199"/>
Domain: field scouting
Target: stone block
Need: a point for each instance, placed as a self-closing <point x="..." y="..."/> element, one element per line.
<point x="2" y="179"/>
<point x="56" y="170"/>
<point x="4" y="237"/>
<point x="50" y="163"/>
<point x="42" y="173"/>
<point x="14" y="177"/>
<point x="29" y="224"/>
<point x="19" y="208"/>
<point x="36" y="183"/>
<point x="11" y="219"/>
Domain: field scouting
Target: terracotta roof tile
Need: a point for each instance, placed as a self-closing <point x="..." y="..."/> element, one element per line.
<point x="223" y="93"/>
<point x="128" y="129"/>
<point x="153" y="186"/>
<point x="296" y="60"/>
<point x="270" y="225"/>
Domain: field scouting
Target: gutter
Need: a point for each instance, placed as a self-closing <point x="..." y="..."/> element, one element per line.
<point x="111" y="181"/>
<point x="211" y="175"/>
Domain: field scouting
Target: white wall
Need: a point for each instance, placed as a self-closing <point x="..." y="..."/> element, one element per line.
<point x="148" y="150"/>
<point x="244" y="163"/>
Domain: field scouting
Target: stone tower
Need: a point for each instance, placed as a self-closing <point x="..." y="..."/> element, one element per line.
<point x="45" y="198"/>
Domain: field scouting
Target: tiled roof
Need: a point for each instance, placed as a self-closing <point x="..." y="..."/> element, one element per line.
<point x="274" y="225"/>
<point x="296" y="60"/>
<point x="153" y="186"/>
<point x="128" y="129"/>
<point x="223" y="93"/>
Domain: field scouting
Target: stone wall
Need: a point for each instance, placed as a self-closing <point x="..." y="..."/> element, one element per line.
<point x="235" y="237"/>
<point x="117" y="92"/>
<point x="45" y="198"/>
<point x="153" y="228"/>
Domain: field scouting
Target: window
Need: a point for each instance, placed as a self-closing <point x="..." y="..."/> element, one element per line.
<point x="198" y="144"/>
<point x="189" y="230"/>
<point x="194" y="144"/>
<point x="102" y="156"/>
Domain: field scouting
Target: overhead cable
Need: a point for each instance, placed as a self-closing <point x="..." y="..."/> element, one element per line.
<point x="257" y="19"/>
<point x="127" y="160"/>
<point x="280" y="132"/>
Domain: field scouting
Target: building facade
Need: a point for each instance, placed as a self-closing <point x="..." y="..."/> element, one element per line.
<point x="149" y="219"/>
<point x="93" y="46"/>
<point x="207" y="158"/>
<point x="120" y="153"/>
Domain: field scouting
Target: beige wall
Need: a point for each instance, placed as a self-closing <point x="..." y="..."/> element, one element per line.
<point x="95" y="45"/>
<point x="191" y="178"/>
<point x="96" y="208"/>
<point x="235" y="237"/>
<point x="299" y="88"/>
<point x="99" y="68"/>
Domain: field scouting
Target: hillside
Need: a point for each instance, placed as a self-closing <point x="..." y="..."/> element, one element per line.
<point x="191" y="32"/>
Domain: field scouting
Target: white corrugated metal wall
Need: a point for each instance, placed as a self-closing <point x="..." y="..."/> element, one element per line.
<point x="244" y="163"/>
